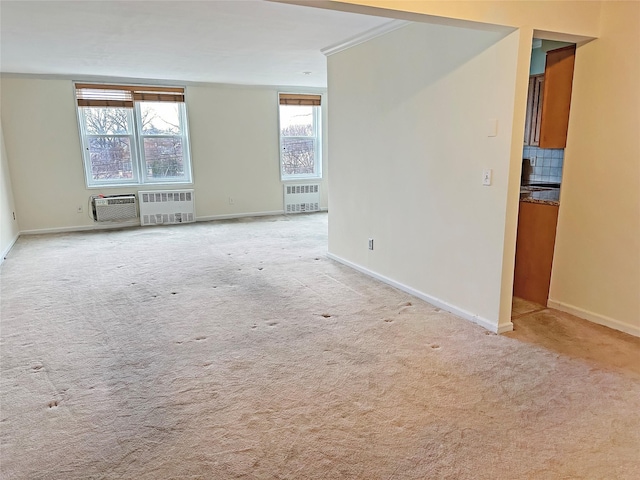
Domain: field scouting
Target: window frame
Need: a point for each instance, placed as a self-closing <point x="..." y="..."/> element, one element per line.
<point x="184" y="136"/>
<point x="137" y="155"/>
<point x="86" y="154"/>
<point x="317" y="142"/>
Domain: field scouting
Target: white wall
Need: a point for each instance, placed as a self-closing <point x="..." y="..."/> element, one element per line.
<point x="408" y="139"/>
<point x="596" y="272"/>
<point x="8" y="224"/>
<point x="234" y="150"/>
<point x="596" y="268"/>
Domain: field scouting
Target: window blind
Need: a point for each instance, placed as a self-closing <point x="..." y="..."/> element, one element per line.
<point x="300" y="99"/>
<point x="96" y="95"/>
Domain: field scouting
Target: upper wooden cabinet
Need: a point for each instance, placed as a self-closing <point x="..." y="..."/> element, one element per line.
<point x="549" y="101"/>
<point x="534" y="110"/>
<point x="556" y="99"/>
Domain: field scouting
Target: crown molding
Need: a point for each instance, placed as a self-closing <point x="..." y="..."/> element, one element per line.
<point x="365" y="37"/>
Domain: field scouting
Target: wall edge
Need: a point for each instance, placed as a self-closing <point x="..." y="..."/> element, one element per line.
<point x="6" y="251"/>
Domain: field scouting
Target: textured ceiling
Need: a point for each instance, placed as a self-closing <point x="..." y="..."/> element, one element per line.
<point x="239" y="42"/>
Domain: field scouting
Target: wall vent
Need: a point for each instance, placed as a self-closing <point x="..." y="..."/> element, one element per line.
<point x="302" y="198"/>
<point x="109" y="208"/>
<point x="166" y="207"/>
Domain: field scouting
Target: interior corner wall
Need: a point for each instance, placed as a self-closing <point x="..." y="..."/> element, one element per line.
<point x="234" y="151"/>
<point x="596" y="268"/>
<point x="9" y="229"/>
<point x="408" y="132"/>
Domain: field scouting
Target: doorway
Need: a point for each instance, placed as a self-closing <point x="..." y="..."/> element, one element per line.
<point x="547" y="118"/>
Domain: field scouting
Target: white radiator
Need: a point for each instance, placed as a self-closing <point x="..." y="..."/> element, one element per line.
<point x="302" y="198"/>
<point x="109" y="208"/>
<point x="162" y="207"/>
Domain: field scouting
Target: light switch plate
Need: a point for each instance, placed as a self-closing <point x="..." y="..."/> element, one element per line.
<point x="486" y="176"/>
<point x="492" y="127"/>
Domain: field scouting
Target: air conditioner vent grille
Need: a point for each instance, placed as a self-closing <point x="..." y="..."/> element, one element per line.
<point x="301" y="207"/>
<point x="167" y="218"/>
<point x="121" y="201"/>
<point x="159" y="197"/>
<point x="114" y="208"/>
<point x="295" y="189"/>
<point x="166" y="207"/>
<point x="302" y="198"/>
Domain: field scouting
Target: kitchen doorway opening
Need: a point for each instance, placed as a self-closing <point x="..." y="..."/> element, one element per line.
<point x="545" y="138"/>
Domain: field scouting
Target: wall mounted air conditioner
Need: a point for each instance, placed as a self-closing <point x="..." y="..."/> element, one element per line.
<point x="162" y="207"/>
<point x="109" y="208"/>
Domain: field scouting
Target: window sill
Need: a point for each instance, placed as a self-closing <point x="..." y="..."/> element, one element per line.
<point x="301" y="179"/>
<point x="138" y="186"/>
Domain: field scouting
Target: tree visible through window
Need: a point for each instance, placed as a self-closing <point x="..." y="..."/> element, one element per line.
<point x="133" y="134"/>
<point x="108" y="138"/>
<point x="162" y="139"/>
<point x="300" y="136"/>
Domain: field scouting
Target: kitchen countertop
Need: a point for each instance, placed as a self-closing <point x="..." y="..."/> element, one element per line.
<point x="546" y="195"/>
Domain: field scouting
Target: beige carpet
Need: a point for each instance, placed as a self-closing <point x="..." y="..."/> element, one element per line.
<point x="237" y="350"/>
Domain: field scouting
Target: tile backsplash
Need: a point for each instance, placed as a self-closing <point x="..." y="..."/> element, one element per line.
<point x="548" y="167"/>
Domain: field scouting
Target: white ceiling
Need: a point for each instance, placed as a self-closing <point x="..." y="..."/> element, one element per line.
<point x="252" y="42"/>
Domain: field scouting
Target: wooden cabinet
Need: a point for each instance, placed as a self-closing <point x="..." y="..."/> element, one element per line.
<point x="534" y="251"/>
<point x="534" y="110"/>
<point x="556" y="100"/>
<point x="549" y="101"/>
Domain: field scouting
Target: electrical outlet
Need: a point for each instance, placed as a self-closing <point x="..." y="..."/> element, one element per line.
<point x="14" y="215"/>
<point x="371" y="244"/>
<point x="230" y="200"/>
<point x="80" y="209"/>
<point x="532" y="161"/>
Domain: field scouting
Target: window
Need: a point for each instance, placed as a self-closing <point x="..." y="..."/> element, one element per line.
<point x="300" y="139"/>
<point x="133" y="134"/>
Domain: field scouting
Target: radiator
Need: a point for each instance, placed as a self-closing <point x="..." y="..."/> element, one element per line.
<point x="109" y="208"/>
<point x="302" y="198"/>
<point x="163" y="207"/>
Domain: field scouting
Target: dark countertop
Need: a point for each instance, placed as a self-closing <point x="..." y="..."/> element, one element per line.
<point x="547" y="195"/>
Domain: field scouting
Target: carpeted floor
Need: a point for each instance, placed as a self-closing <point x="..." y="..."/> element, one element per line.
<point x="237" y="350"/>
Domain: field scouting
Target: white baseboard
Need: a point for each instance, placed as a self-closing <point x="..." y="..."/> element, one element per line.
<point x="503" y="328"/>
<point x="82" y="228"/>
<point x="230" y="216"/>
<point x="136" y="223"/>
<point x="595" y="317"/>
<point x="483" y="322"/>
<point x="6" y="251"/>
